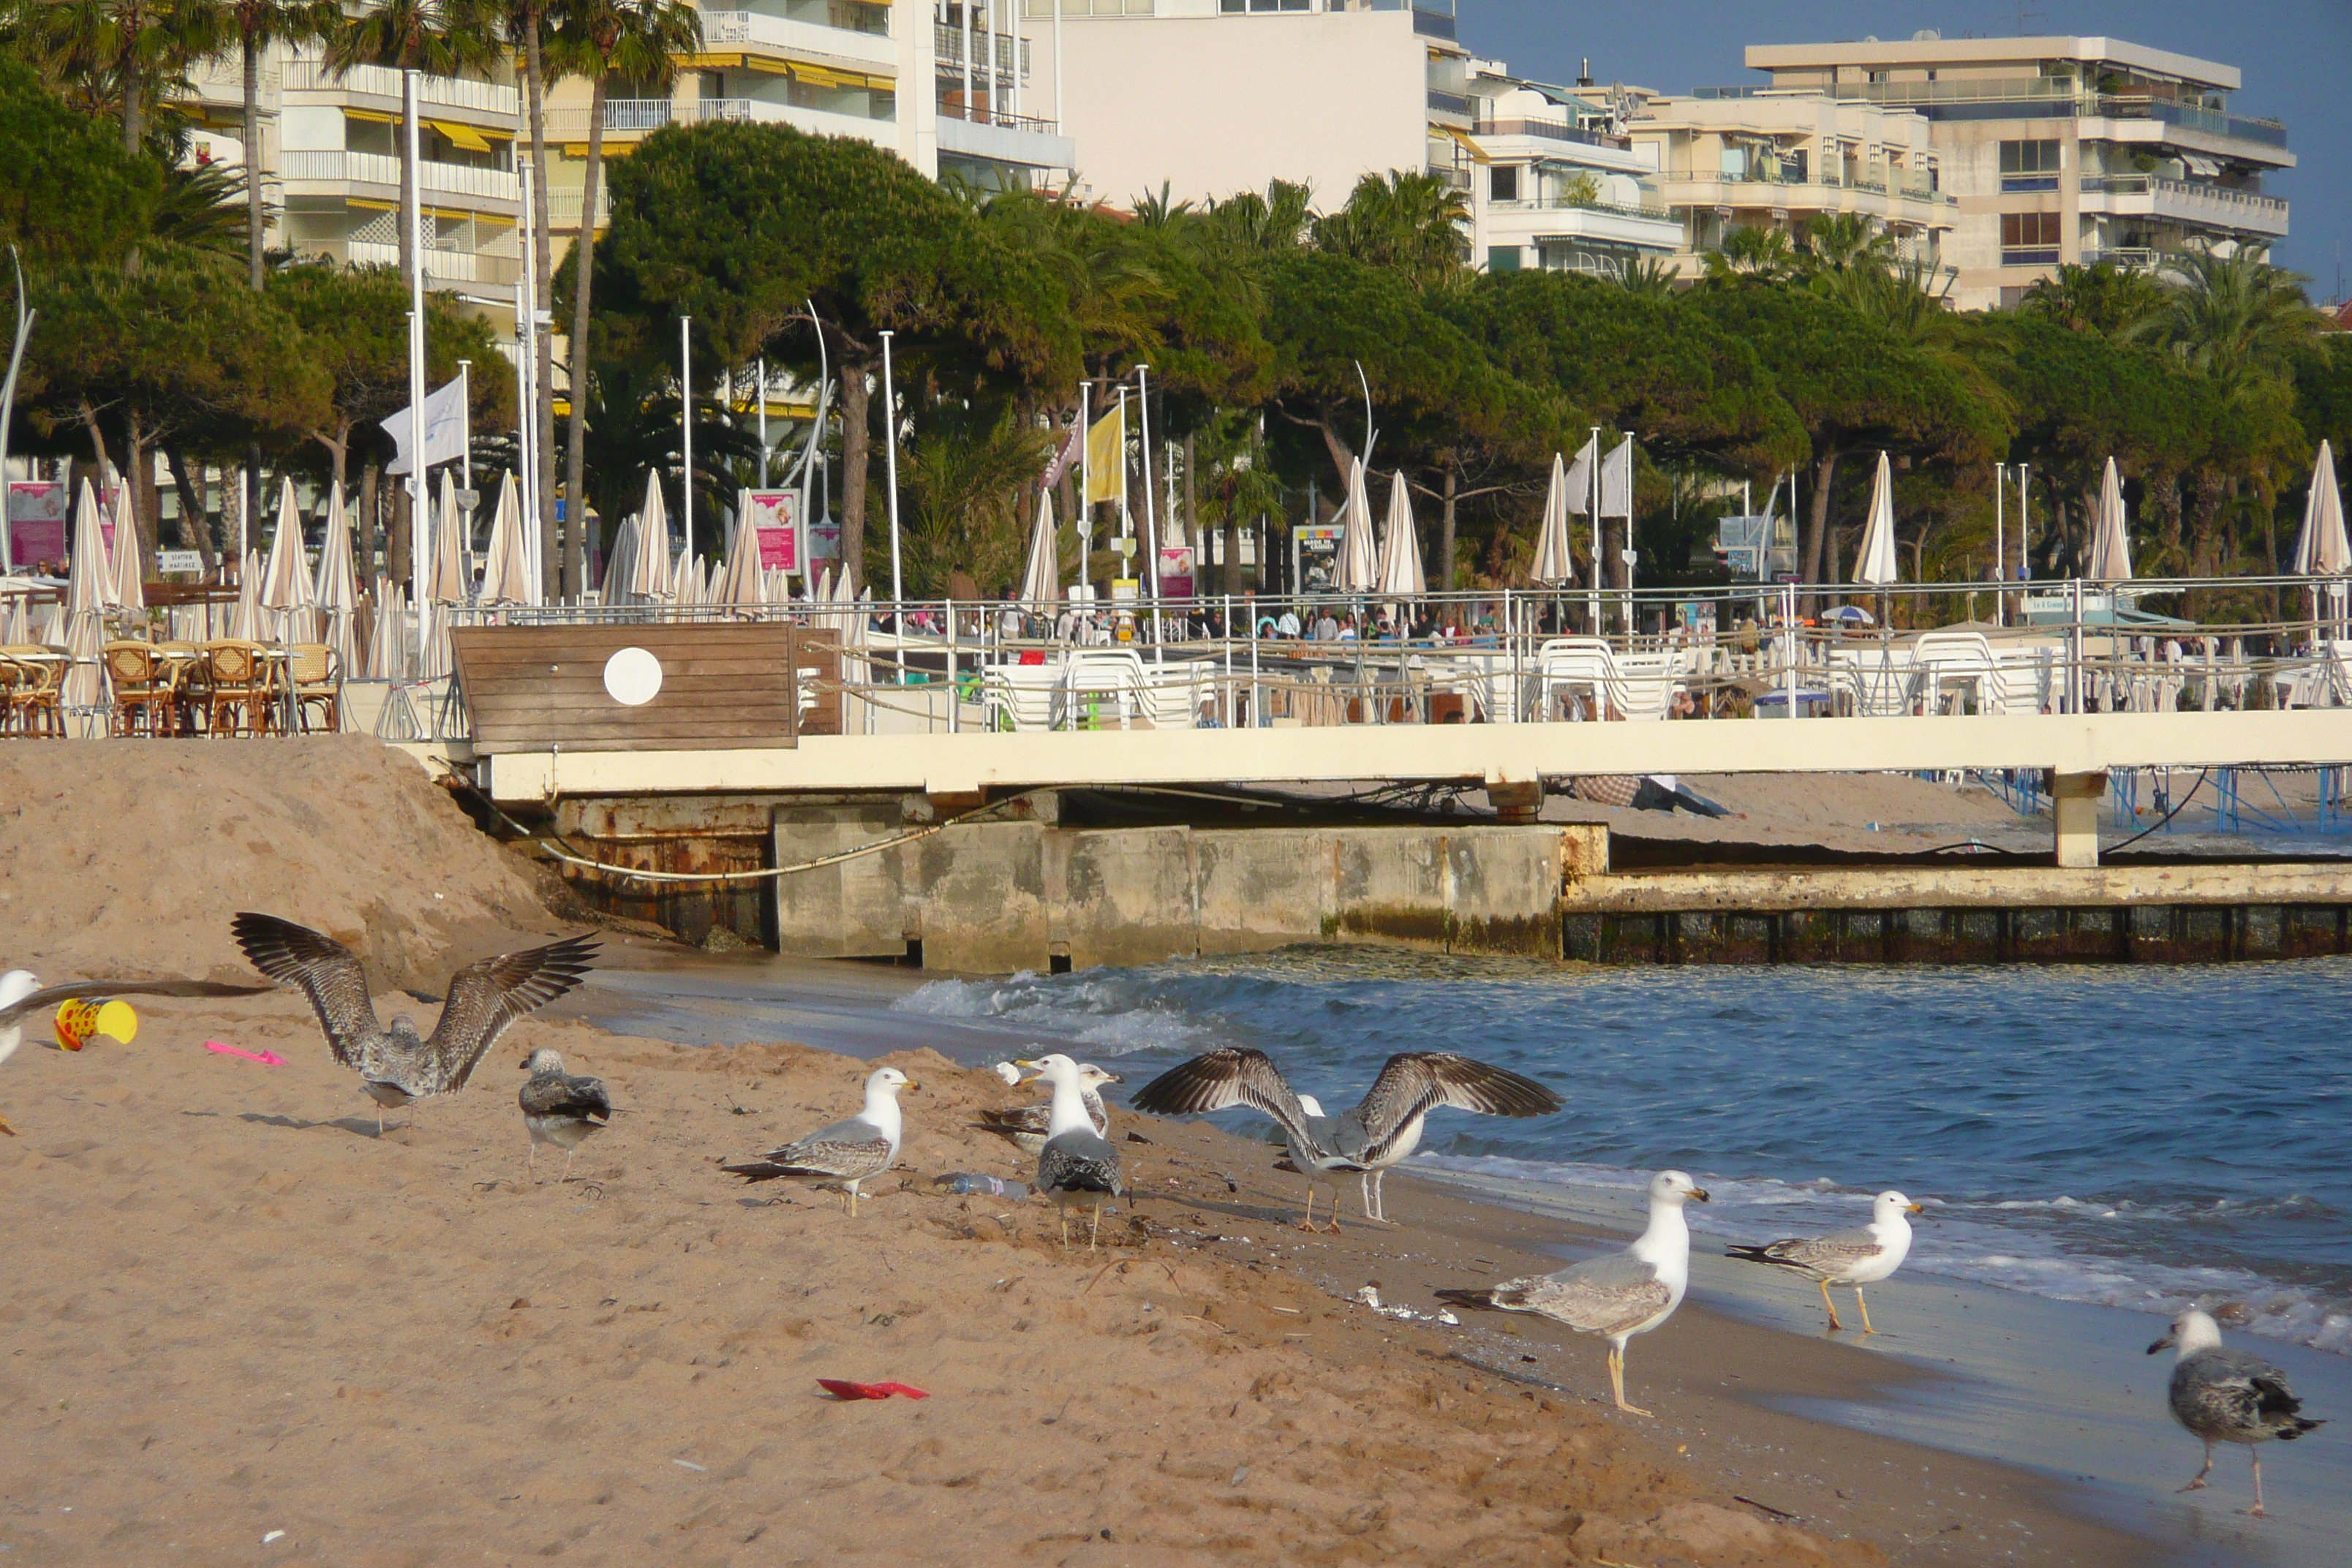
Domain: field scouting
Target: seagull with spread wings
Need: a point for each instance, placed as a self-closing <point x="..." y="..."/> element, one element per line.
<point x="397" y="1066"/>
<point x="1383" y="1129"/>
<point x="22" y="995"/>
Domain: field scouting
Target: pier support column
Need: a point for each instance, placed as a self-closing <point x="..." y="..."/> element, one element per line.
<point x="2075" y="816"/>
<point x="1516" y="802"/>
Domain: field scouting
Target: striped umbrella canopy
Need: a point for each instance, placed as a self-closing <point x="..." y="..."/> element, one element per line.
<point x="286" y="581"/>
<point x="621" y="562"/>
<point x="649" y="581"/>
<point x="446" y="580"/>
<point x="90" y="594"/>
<point x="1358" y="569"/>
<point x="129" y="591"/>
<point x="388" y="647"/>
<point x="245" y="621"/>
<point x="1553" y="563"/>
<point x="1400" y="563"/>
<point x="2321" y="550"/>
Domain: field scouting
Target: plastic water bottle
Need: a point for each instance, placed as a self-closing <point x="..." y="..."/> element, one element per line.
<point x="971" y="1182"/>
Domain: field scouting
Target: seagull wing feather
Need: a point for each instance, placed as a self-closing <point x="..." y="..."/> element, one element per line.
<point x="485" y="997"/>
<point x="322" y="969"/>
<point x="1220" y="1078"/>
<point x="1413" y="1083"/>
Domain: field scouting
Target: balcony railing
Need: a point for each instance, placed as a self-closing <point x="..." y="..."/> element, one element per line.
<point x="982" y="114"/>
<point x="377" y="82"/>
<point x="2037" y="257"/>
<point x="382" y="169"/>
<point x="621" y="114"/>
<point x="1450" y="103"/>
<point x="1553" y="130"/>
<point x="1917" y="188"/>
<point x="793" y="30"/>
<point x="1649" y="207"/>
<point x="768" y="111"/>
<point x="2139" y="257"/>
<point x="2252" y="204"/>
<point x="440" y="265"/>
<point x="947" y="47"/>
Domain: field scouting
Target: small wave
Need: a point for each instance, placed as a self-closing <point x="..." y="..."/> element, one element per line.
<point x="1105" y="1015"/>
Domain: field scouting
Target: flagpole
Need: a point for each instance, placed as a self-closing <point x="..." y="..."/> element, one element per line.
<point x="686" y="423"/>
<point x="420" y="532"/>
<point x="1150" y="516"/>
<point x="1592" y="495"/>
<point x="1084" y="521"/>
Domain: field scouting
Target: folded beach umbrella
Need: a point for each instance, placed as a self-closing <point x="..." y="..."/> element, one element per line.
<point x="130" y="592"/>
<point x="286" y="581"/>
<point x="14" y="626"/>
<point x="1399" y="568"/>
<point x="245" y="621"/>
<point x="388" y="648"/>
<point x="446" y="581"/>
<point x="90" y="594"/>
<point x="1553" y="564"/>
<point x="1041" y="582"/>
<point x="508" y="575"/>
<point x="1876" y="565"/>
<point x="649" y="581"/>
<point x="2321" y="550"/>
<point x="1357" y="569"/>
<point x="743" y="585"/>
<point x="621" y="562"/>
<point x="2110" y="537"/>
<point x="337" y="589"/>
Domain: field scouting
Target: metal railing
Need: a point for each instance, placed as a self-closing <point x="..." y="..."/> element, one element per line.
<point x="2252" y="205"/>
<point x="1553" y="130"/>
<point x="311" y="75"/>
<point x="982" y="114"/>
<point x="441" y="266"/>
<point x="947" y="45"/>
<point x="2024" y="97"/>
<point x="382" y="169"/>
<point x="1650" y="209"/>
<point x="1566" y="655"/>
<point x="1916" y="188"/>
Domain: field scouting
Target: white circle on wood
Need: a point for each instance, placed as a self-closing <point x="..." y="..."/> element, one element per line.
<point x="633" y="677"/>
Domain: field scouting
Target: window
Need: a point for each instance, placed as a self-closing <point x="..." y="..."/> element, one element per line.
<point x="1503" y="257"/>
<point x="1261" y="7"/>
<point x="2028" y="165"/>
<point x="2013" y="295"/>
<point x="2029" y="239"/>
<point x="1503" y="182"/>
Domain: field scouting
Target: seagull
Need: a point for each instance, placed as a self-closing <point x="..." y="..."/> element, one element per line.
<point x="22" y="995"/>
<point x="561" y="1108"/>
<point x="1025" y="1128"/>
<point x="1382" y="1129"/>
<point x="847" y="1154"/>
<point x="1619" y="1294"/>
<point x="1861" y="1256"/>
<point x="1078" y="1164"/>
<point x="2229" y="1396"/>
<point x="395" y="1065"/>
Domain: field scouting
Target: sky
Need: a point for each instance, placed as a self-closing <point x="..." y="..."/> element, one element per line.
<point x="2296" y="56"/>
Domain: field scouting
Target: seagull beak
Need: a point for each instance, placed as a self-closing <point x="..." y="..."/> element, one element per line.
<point x="2163" y="1344"/>
<point x="1033" y="1067"/>
<point x="1699" y="1193"/>
<point x="911" y="1084"/>
<point x="1918" y="1208"/>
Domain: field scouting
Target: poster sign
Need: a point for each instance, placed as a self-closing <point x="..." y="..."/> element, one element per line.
<point x="776" y="522"/>
<point x="36" y="521"/>
<point x="823" y="539"/>
<point x="1314" y="557"/>
<point x="1176" y="570"/>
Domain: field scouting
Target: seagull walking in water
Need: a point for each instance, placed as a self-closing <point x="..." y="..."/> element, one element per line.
<point x="1853" y="1258"/>
<point x="1078" y="1164"/>
<point x="2224" y="1395"/>
<point x="847" y="1154"/>
<point x="1382" y="1129"/>
<point x="1619" y="1294"/>
<point x="22" y="995"/>
<point x="561" y="1108"/>
<point x="396" y="1066"/>
<point x="1025" y="1128"/>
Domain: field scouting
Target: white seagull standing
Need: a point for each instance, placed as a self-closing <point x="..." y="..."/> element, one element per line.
<point x="2229" y="1396"/>
<point x="1863" y="1256"/>
<point x="1617" y="1294"/>
<point x="1025" y="1128"/>
<point x="1076" y="1164"/>
<point x="847" y="1154"/>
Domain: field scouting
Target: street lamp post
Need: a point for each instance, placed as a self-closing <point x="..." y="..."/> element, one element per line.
<point x="898" y="586"/>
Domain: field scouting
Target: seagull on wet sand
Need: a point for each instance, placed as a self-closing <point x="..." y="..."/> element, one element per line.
<point x="22" y="995"/>
<point x="1382" y="1129"/>
<point x="396" y="1066"/>
<point x="1617" y="1294"/>
<point x="847" y="1154"/>
<point x="2228" y="1396"/>
<point x="1025" y="1128"/>
<point x="559" y="1107"/>
<point x="1078" y="1164"/>
<point x="1856" y="1257"/>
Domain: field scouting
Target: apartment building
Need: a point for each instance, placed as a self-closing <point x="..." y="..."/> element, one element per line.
<point x="1729" y="158"/>
<point x="2063" y="149"/>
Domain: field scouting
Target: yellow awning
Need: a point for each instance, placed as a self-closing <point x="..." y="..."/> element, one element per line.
<point x="453" y="214"/>
<point x="373" y="116"/>
<point x="464" y="135"/>
<point x="1477" y="153"/>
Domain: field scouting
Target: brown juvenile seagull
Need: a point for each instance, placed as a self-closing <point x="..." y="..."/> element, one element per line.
<point x="396" y="1066"/>
<point x="561" y="1108"/>
<point x="22" y="995"/>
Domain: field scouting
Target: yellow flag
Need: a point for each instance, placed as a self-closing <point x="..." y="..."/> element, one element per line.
<point x="1107" y="457"/>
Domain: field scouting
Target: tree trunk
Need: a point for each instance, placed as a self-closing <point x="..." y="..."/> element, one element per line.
<point x="856" y="456"/>
<point x="371" y="522"/>
<point x="97" y="442"/>
<point x="139" y="474"/>
<point x="255" y="235"/>
<point x="196" y="521"/>
<point x="134" y="112"/>
<point x="1445" y="531"/>
<point x="1817" y="526"/>
<point x="536" y="80"/>
<point x="1343" y="457"/>
<point x="575" y="457"/>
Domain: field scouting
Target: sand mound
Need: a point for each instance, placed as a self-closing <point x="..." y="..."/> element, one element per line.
<point x="126" y="859"/>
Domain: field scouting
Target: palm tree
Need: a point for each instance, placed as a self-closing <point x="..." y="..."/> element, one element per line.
<point x="1651" y="277"/>
<point x="441" y="37"/>
<point x="1414" y="222"/>
<point x="639" y="40"/>
<point x="1847" y="242"/>
<point x="116" y="56"/>
<point x="258" y="24"/>
<point x="1762" y="254"/>
<point x="2235" y="319"/>
<point x="524" y="23"/>
<point x="2107" y="300"/>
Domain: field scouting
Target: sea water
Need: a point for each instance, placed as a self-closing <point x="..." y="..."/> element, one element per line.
<point x="2142" y="1138"/>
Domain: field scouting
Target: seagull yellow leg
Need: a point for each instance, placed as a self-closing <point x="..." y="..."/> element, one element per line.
<point x="2197" y="1481"/>
<point x="1866" y="1311"/>
<point x="1834" y="1325"/>
<point x="853" y="1199"/>
<point x="1309" y="1223"/>
<point x="1617" y="1373"/>
<point x="1065" y="1225"/>
<point x="1094" y="1232"/>
<point x="569" y="1155"/>
<point x="531" y="1164"/>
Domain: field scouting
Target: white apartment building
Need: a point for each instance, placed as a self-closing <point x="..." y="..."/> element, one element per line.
<point x="2063" y="149"/>
<point x="1778" y="158"/>
<point x="1556" y="183"/>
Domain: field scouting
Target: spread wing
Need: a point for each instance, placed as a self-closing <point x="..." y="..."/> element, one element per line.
<point x="1605" y="1295"/>
<point x="485" y="997"/>
<point x="322" y="969"/>
<point x="78" y="990"/>
<point x="1234" y="1075"/>
<point x="1414" y="1083"/>
<point x="567" y="1094"/>
<point x="846" y="1151"/>
<point x="1079" y="1161"/>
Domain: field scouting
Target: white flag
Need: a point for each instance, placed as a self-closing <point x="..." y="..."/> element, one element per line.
<point x="444" y="428"/>
<point x="1617" y="481"/>
<point x="1578" y="481"/>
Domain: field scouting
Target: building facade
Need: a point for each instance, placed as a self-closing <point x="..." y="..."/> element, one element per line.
<point x="2062" y="149"/>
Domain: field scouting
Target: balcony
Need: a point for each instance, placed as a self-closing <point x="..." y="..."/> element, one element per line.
<point x="1649" y="207"/>
<point x="1874" y="179"/>
<point x="975" y="130"/>
<point x="947" y="47"/>
<point x="332" y="167"/>
<point x="1553" y="130"/>
<point x="433" y="91"/>
<point x="2041" y="98"/>
<point x="441" y="267"/>
<point x="2186" y="201"/>
<point x="788" y="35"/>
<point x="624" y="115"/>
<point x="821" y="121"/>
<point x="1450" y="103"/>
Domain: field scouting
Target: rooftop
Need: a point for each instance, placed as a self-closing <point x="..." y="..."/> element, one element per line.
<point x="1884" y="53"/>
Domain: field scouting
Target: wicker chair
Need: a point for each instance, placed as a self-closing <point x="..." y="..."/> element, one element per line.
<point x="190" y="689"/>
<point x="142" y="689"/>
<point x="317" y="673"/>
<point x="34" y="677"/>
<point x="238" y="678"/>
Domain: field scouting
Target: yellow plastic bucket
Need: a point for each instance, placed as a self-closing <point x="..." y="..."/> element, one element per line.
<point x="77" y="1021"/>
